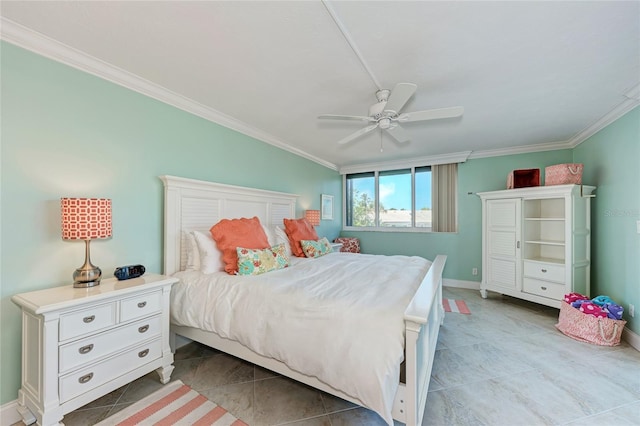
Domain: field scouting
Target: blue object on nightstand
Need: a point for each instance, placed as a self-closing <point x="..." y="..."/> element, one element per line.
<point x="128" y="272"/>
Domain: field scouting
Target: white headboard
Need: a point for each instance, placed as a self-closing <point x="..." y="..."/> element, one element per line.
<point x="195" y="205"/>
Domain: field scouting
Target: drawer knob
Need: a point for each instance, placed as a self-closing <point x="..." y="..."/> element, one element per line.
<point x="144" y="353"/>
<point x="143" y="329"/>
<point x="86" y="349"/>
<point x="142" y="304"/>
<point x="544" y="288"/>
<point x="89" y="319"/>
<point x="544" y="270"/>
<point x="85" y="378"/>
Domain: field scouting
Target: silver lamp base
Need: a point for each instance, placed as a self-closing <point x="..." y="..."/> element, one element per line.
<point x="88" y="275"/>
<point x="83" y="278"/>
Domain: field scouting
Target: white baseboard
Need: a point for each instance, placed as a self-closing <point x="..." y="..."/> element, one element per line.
<point x="471" y="285"/>
<point x="9" y="413"/>
<point x="631" y="338"/>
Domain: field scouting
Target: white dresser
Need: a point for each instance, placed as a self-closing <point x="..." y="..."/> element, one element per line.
<point x="536" y="242"/>
<point x="79" y="344"/>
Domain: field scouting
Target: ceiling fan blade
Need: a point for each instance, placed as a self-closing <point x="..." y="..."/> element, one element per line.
<point x="398" y="133"/>
<point x="431" y="114"/>
<point x="357" y="134"/>
<point x="345" y="117"/>
<point x="399" y="96"/>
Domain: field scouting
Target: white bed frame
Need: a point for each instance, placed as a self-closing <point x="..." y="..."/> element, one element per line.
<point x="197" y="205"/>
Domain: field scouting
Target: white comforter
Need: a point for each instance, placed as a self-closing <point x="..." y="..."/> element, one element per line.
<point x="338" y="317"/>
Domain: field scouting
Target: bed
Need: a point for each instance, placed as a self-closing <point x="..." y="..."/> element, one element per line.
<point x="196" y="205"/>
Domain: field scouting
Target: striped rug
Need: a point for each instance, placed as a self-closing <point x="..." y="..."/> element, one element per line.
<point x="174" y="404"/>
<point x="453" y="305"/>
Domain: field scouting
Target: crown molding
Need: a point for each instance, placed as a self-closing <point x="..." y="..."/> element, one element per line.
<point x="632" y="100"/>
<point x="33" y="41"/>
<point x="432" y="160"/>
<point x="524" y="149"/>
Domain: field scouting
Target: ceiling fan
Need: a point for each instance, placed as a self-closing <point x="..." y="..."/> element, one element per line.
<point x="385" y="114"/>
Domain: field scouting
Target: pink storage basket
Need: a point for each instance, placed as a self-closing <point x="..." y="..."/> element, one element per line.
<point x="587" y="328"/>
<point x="563" y="174"/>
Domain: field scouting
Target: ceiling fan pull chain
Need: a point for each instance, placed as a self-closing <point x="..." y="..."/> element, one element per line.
<point x="381" y="150"/>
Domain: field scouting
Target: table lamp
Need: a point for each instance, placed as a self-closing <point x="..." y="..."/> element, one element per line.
<point x="313" y="216"/>
<point x="86" y="219"/>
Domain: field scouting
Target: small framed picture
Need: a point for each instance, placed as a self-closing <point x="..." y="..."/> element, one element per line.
<point x="327" y="207"/>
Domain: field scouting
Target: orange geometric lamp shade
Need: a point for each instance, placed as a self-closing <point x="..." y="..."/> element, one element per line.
<point x="313" y="216"/>
<point x="85" y="218"/>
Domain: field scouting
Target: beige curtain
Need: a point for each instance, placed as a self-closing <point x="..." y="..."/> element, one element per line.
<point x="444" y="184"/>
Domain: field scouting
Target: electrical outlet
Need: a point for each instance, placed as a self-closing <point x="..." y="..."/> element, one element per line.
<point x="474" y="271"/>
<point x="632" y="310"/>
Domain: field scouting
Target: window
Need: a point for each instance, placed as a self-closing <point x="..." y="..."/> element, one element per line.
<point x="399" y="199"/>
<point x="361" y="200"/>
<point x="394" y="189"/>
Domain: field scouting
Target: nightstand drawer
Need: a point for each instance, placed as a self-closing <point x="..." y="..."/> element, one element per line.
<point x="548" y="289"/>
<point x="86" y="321"/>
<point x="89" y="378"/>
<point x="544" y="271"/>
<point x="140" y="306"/>
<point x="91" y="348"/>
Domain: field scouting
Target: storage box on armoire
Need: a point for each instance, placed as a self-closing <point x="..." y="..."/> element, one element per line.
<point x="523" y="178"/>
<point x="563" y="174"/>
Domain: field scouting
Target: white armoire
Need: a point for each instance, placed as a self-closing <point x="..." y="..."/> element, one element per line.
<point x="536" y="242"/>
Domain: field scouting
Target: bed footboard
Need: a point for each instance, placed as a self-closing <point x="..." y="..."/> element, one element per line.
<point x="423" y="318"/>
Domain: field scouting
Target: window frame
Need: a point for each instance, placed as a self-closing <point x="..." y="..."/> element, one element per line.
<point x="376" y="174"/>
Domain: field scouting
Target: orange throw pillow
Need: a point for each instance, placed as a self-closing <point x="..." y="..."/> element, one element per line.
<point x="298" y="230"/>
<point x="232" y="233"/>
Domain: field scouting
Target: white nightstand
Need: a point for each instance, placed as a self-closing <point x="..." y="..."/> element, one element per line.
<point x="79" y="344"/>
<point x="336" y="246"/>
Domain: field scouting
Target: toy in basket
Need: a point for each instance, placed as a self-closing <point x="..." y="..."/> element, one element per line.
<point x="598" y="320"/>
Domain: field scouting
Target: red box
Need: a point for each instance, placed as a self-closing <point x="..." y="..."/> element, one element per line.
<point x="523" y="178"/>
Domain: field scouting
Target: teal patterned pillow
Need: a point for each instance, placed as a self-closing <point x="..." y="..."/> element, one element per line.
<point x="318" y="248"/>
<point x="259" y="261"/>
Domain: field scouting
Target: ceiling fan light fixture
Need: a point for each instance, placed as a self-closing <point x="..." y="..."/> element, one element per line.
<point x="384" y="123"/>
<point x="387" y="116"/>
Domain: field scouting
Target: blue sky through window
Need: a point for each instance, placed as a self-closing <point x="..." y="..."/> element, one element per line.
<point x="395" y="190"/>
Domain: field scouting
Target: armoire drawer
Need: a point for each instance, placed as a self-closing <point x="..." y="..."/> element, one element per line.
<point x="544" y="271"/>
<point x="86" y="350"/>
<point x="87" y="320"/>
<point x="92" y="376"/>
<point x="548" y="289"/>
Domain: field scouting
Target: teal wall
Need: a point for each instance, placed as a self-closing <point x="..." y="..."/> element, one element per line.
<point x="611" y="160"/>
<point x="67" y="133"/>
<point x="464" y="248"/>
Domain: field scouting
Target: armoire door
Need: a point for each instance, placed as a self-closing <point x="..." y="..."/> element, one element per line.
<point x="503" y="221"/>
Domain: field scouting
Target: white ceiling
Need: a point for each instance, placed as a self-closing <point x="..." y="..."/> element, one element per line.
<point x="530" y="75"/>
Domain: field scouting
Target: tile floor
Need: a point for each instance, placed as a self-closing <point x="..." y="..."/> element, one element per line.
<point x="505" y="364"/>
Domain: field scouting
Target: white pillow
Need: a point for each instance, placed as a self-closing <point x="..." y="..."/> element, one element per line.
<point x="210" y="255"/>
<point x="282" y="238"/>
<point x="193" y="254"/>
<point x="271" y="234"/>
